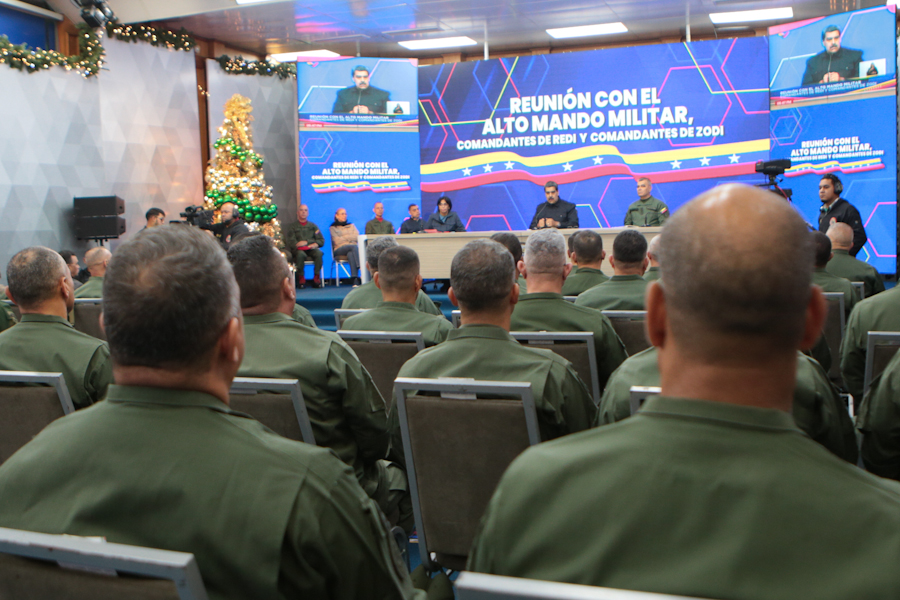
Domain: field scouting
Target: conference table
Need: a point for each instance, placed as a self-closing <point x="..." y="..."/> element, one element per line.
<point x="436" y="250"/>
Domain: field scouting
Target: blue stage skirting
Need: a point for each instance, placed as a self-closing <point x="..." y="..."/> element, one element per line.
<point x="321" y="302"/>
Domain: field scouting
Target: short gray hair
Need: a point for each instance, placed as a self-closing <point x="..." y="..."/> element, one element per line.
<point x="482" y="274"/>
<point x="33" y="273"/>
<point x="376" y="247"/>
<point x="168" y="295"/>
<point x="545" y="252"/>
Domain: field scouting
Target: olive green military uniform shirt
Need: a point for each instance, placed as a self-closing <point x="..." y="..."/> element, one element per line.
<point x="621" y="292"/>
<point x="699" y="499"/>
<point x="848" y="267"/>
<point x="486" y="352"/>
<point x="376" y="227"/>
<point x="309" y="232"/>
<point x="547" y="311"/>
<point x="345" y="408"/>
<point x="647" y="213"/>
<point x="266" y="517"/>
<point x="652" y="274"/>
<point x="523" y="285"/>
<point x="833" y="283"/>
<point x="93" y="288"/>
<point x="368" y="296"/>
<point x="818" y="409"/>
<point x="879" y="422"/>
<point x="878" y="313"/>
<point x="582" y="280"/>
<point x="303" y="316"/>
<point x="7" y="319"/>
<point x="46" y="343"/>
<point x="400" y="316"/>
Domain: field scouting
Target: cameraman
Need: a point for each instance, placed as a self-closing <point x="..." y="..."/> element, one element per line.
<point x="231" y="226"/>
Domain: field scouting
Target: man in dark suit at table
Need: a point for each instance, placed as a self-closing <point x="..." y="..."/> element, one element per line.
<point x="555" y="212"/>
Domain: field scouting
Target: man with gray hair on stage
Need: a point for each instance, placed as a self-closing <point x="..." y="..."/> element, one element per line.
<point x="711" y="490"/>
<point x="544" y="308"/>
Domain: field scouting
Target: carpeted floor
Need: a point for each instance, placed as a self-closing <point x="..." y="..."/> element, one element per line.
<point x="321" y="302"/>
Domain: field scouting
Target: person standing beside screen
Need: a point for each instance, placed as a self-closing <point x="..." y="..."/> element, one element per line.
<point x="444" y="219"/>
<point x="646" y="211"/>
<point x="837" y="210"/>
<point x="555" y="212"/>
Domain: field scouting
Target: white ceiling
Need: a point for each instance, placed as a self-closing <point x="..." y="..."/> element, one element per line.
<point x="512" y="25"/>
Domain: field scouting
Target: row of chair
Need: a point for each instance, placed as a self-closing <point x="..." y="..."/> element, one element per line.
<point x="87" y="316"/>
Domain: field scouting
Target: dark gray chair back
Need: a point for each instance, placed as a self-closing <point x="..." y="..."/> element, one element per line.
<point x="29" y="402"/>
<point x="639" y="394"/>
<point x="276" y="403"/>
<point x="382" y="353"/>
<point x="87" y="317"/>
<point x="576" y="347"/>
<point x="860" y="289"/>
<point x="629" y="326"/>
<point x="834" y="334"/>
<point x="457" y="447"/>
<point x="881" y="346"/>
<point x="30" y="567"/>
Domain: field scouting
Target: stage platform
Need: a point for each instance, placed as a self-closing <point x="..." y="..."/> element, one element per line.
<point x="321" y="302"/>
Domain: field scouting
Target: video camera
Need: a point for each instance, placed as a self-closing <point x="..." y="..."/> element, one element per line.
<point x="197" y="217"/>
<point x="772" y="169"/>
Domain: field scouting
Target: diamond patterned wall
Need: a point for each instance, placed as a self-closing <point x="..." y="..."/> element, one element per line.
<point x="274" y="126"/>
<point x="132" y="131"/>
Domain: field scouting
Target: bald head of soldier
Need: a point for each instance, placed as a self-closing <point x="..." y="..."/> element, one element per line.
<point x="544" y="264"/>
<point x="587" y="249"/>
<point x="263" y="276"/>
<point x="482" y="283"/>
<point x="653" y="251"/>
<point x="40" y="282"/>
<point x="841" y="236"/>
<point x="727" y="324"/>
<point x="97" y="260"/>
<point x="398" y="275"/>
<point x="171" y="311"/>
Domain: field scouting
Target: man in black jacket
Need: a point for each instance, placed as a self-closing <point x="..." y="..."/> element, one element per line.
<point x="555" y="212"/>
<point x="232" y="225"/>
<point x="835" y="63"/>
<point x="837" y="210"/>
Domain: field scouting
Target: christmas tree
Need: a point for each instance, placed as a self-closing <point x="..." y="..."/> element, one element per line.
<point x="235" y="173"/>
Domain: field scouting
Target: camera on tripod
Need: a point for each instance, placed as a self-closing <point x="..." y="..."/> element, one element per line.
<point x="772" y="169"/>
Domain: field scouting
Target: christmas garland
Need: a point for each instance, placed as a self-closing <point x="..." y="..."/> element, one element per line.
<point x="90" y="56"/>
<point x="88" y="60"/>
<point x="239" y="66"/>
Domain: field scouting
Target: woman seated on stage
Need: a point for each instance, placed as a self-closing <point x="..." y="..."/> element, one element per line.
<point x="445" y="219"/>
<point x="344" y="237"/>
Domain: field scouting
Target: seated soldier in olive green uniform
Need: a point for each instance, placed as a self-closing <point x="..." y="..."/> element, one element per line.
<point x="399" y="281"/>
<point x="817" y="409"/>
<point x="646" y="211"/>
<point x="625" y="290"/>
<point x="345" y="408"/>
<point x="165" y="463"/>
<point x="303" y="316"/>
<point x="379" y="225"/>
<point x="482" y="285"/>
<point x="652" y="273"/>
<point x="368" y="295"/>
<point x="544" y="309"/>
<point x="879" y="422"/>
<point x="7" y="318"/>
<point x="512" y="243"/>
<point x="97" y="260"/>
<point x="711" y="490"/>
<point x="850" y="267"/>
<point x="41" y="284"/>
<point x="587" y="255"/>
<point x="878" y="313"/>
<point x="304" y="241"/>
<point x="827" y="281"/>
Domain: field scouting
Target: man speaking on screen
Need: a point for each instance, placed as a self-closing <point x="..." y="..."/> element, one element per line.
<point x="361" y="98"/>
<point x="835" y="63"/>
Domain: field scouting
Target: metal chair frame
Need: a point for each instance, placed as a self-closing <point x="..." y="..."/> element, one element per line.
<point x="385" y="337"/>
<point x="480" y="586"/>
<point x="54" y="380"/>
<point x="340" y="314"/>
<point x="87" y="554"/>
<point x="449" y="387"/>
<point x="639" y="393"/>
<point x="288" y="386"/>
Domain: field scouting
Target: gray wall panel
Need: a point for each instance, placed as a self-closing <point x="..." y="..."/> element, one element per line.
<point x="274" y="127"/>
<point x="131" y="131"/>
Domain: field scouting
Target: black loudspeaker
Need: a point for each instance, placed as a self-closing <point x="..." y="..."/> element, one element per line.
<point x="97" y="217"/>
<point x="99" y="206"/>
<point x="99" y="228"/>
